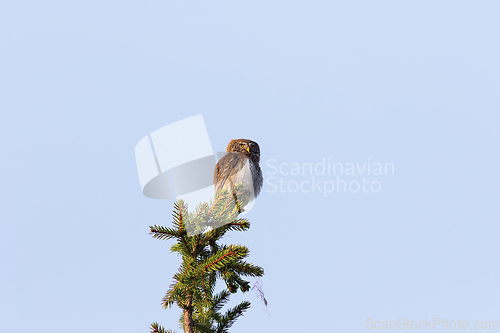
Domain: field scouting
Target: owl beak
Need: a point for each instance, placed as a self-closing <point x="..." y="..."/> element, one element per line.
<point x="248" y="149"/>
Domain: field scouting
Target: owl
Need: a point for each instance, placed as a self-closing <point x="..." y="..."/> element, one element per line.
<point x="240" y="165"/>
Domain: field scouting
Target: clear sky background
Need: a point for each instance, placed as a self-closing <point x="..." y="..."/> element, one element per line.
<point x="413" y="83"/>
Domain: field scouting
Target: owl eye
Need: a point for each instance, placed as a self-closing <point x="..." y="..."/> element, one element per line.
<point x="242" y="145"/>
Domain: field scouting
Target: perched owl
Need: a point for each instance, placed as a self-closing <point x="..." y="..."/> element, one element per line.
<point x="240" y="165"/>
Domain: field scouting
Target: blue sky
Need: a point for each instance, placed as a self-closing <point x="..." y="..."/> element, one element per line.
<point x="412" y="83"/>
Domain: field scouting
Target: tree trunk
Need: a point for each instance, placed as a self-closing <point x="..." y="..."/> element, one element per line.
<point x="188" y="316"/>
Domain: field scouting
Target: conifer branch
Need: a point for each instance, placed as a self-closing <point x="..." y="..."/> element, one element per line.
<point x="204" y="261"/>
<point x="157" y="328"/>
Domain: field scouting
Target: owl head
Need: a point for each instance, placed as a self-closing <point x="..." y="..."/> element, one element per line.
<point x="246" y="147"/>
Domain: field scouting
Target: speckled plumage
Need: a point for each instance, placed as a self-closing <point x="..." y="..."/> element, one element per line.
<point x="240" y="165"/>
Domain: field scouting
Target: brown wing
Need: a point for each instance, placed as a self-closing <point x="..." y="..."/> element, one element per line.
<point x="229" y="164"/>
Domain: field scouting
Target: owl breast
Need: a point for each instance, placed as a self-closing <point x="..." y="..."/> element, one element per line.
<point x="246" y="175"/>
